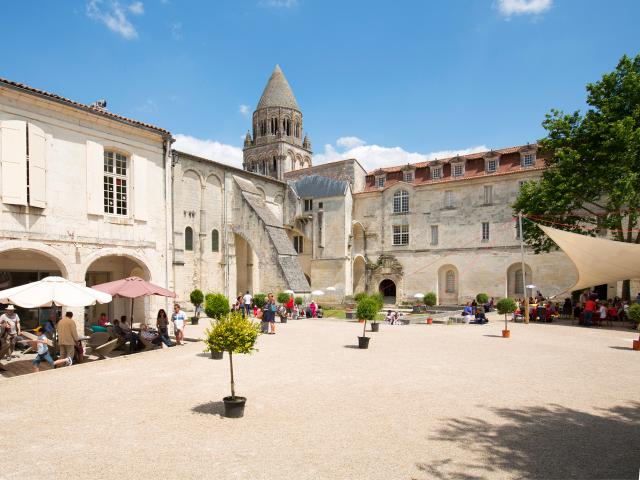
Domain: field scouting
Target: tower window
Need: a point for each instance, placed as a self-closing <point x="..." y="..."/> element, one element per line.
<point x="188" y="239"/>
<point x="215" y="241"/>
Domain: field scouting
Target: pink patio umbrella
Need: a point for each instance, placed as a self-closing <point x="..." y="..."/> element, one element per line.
<point x="133" y="287"/>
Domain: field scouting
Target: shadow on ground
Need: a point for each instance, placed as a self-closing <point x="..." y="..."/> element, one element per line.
<point x="210" y="408"/>
<point x="622" y="348"/>
<point x="493" y="336"/>
<point x="553" y="442"/>
<point x="352" y="346"/>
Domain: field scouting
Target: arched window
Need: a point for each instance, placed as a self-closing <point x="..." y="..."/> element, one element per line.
<point x="215" y="241"/>
<point x="188" y="239"/>
<point x="401" y="201"/>
<point x="451" y="281"/>
<point x="298" y="129"/>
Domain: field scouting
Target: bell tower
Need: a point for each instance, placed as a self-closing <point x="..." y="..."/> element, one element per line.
<point x="277" y="145"/>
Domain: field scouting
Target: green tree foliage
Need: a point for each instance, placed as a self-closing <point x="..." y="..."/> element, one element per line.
<point x="593" y="159"/>
<point x="379" y="299"/>
<point x="260" y="299"/>
<point x="505" y="306"/>
<point x="634" y="313"/>
<point x="359" y="296"/>
<point x="430" y="299"/>
<point x="216" y="305"/>
<point x="283" y="297"/>
<point x="367" y="308"/>
<point x="196" y="297"/>
<point x="298" y="301"/>
<point x="482" y="298"/>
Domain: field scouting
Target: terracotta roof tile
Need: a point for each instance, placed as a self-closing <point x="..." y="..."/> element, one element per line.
<point x="81" y="106"/>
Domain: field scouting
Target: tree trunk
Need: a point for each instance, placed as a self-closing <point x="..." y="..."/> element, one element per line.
<point x="233" y="387"/>
<point x="364" y="331"/>
<point x="505" y="322"/>
<point x="626" y="290"/>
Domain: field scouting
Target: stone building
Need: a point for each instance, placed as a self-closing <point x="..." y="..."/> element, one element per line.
<point x="83" y="196"/>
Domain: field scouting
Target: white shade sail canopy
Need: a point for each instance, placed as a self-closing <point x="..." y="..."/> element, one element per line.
<point x="597" y="260"/>
<point x="53" y="291"/>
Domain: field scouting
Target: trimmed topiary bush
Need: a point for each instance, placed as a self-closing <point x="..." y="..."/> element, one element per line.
<point x="298" y="301"/>
<point x="216" y="305"/>
<point x="283" y="297"/>
<point x="634" y="313"/>
<point x="379" y="299"/>
<point x="196" y="297"/>
<point x="430" y="299"/>
<point x="367" y="309"/>
<point x="359" y="296"/>
<point x="482" y="298"/>
<point x="506" y="306"/>
<point x="260" y="299"/>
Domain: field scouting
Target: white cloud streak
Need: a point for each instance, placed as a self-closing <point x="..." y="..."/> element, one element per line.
<point x="211" y="149"/>
<point x="279" y="3"/>
<point x="523" y="7"/>
<point x="244" y="110"/>
<point x="114" y="16"/>
<point x="372" y="157"/>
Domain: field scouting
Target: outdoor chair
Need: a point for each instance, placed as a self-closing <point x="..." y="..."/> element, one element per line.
<point x="103" y="350"/>
<point x="148" y="345"/>
<point x="97" y="339"/>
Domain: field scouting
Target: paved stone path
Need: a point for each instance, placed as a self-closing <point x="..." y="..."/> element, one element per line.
<point x="423" y="402"/>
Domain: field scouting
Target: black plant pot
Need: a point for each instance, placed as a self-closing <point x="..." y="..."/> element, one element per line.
<point x="216" y="355"/>
<point x="363" y="342"/>
<point x="194" y="320"/>
<point x="283" y="319"/>
<point x="234" y="406"/>
<point x="375" y="327"/>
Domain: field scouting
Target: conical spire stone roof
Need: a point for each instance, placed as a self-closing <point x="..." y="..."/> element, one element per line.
<point x="278" y="93"/>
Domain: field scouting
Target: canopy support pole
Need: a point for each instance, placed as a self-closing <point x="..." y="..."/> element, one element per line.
<point x="524" y="271"/>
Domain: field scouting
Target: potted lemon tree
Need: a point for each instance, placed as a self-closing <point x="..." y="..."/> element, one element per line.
<point x="216" y="307"/>
<point x="233" y="334"/>
<point x="505" y="306"/>
<point x="367" y="309"/>
<point x="196" y="297"/>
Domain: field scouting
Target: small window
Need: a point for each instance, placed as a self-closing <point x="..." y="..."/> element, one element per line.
<point x="401" y="201"/>
<point x="527" y="160"/>
<point x="308" y="204"/>
<point x="450" y="284"/>
<point x="115" y="198"/>
<point x="458" y="169"/>
<point x="401" y="234"/>
<point x="434" y="234"/>
<point x="485" y="231"/>
<point x="408" y="177"/>
<point x="215" y="241"/>
<point x="492" y="166"/>
<point x="188" y="239"/>
<point x="436" y="173"/>
<point x="448" y="199"/>
<point x="488" y="194"/>
<point x="298" y="243"/>
<point x="320" y="205"/>
<point x="380" y="182"/>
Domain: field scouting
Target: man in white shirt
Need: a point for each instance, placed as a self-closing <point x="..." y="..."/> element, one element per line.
<point x="11" y="321"/>
<point x="179" y="319"/>
<point x="247" y="298"/>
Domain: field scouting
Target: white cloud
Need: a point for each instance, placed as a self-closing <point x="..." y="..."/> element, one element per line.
<point x="350" y="142"/>
<point x="279" y="3"/>
<point x="211" y="149"/>
<point x="137" y="8"/>
<point x="523" y="7"/>
<point x="372" y="157"/>
<point x="114" y="16"/>
<point x="244" y="110"/>
<point x="176" y="30"/>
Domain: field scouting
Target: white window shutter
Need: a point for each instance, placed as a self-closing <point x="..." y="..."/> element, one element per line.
<point x="13" y="155"/>
<point x="37" y="167"/>
<point x="95" y="178"/>
<point x="139" y="187"/>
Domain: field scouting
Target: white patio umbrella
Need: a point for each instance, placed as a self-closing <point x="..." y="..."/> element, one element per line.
<point x="53" y="291"/>
<point x="330" y="289"/>
<point x="317" y="293"/>
<point x="290" y="292"/>
<point x="419" y="295"/>
<point x="530" y="286"/>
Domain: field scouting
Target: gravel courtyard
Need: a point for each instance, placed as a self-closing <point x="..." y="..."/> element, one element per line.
<point x="443" y="402"/>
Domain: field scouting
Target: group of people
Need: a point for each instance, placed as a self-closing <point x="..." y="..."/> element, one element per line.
<point x="475" y="313"/>
<point x="394" y="318"/>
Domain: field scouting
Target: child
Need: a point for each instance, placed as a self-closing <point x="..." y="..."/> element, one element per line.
<point x="42" y="350"/>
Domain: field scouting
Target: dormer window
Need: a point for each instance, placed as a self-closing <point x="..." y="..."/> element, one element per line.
<point x="408" y="176"/>
<point x="528" y="159"/>
<point x="436" y="173"/>
<point x="457" y="169"/>
<point x="380" y="181"/>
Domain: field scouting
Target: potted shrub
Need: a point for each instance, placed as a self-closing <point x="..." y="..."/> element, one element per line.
<point x="634" y="315"/>
<point x="367" y="309"/>
<point x="282" y="299"/>
<point x="233" y="334"/>
<point x="260" y="299"/>
<point x="216" y="306"/>
<point x="208" y="341"/>
<point x="196" y="297"/>
<point x="482" y="298"/>
<point x="505" y="306"/>
<point x="430" y="299"/>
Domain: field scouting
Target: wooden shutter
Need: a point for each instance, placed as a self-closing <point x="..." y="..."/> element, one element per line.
<point x="139" y="187"/>
<point x="13" y="155"/>
<point x="37" y="167"/>
<point x="95" y="178"/>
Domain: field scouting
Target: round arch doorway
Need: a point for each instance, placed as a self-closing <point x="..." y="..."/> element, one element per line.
<point x="388" y="290"/>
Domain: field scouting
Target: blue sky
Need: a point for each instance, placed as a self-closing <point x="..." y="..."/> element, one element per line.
<point x="387" y="82"/>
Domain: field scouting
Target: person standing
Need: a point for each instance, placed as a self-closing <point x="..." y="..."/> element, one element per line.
<point x="162" y="324"/>
<point x="178" y="318"/>
<point x="589" y="310"/>
<point x="289" y="305"/>
<point x="269" y="315"/>
<point x="11" y="320"/>
<point x="247" y="298"/>
<point x="67" y="338"/>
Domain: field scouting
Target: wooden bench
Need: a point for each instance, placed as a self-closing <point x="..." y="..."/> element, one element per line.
<point x="455" y="319"/>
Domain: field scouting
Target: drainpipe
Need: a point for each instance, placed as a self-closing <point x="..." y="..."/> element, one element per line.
<point x="168" y="186"/>
<point x="224" y="235"/>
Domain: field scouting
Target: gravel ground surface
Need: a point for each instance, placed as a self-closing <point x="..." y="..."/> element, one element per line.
<point x="422" y="402"/>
